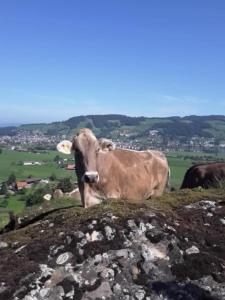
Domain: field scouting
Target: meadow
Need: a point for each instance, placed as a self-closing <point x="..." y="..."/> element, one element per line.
<point x="10" y="162"/>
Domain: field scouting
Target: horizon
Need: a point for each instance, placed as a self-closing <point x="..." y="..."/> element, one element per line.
<point x="2" y="125"/>
<point x="60" y="60"/>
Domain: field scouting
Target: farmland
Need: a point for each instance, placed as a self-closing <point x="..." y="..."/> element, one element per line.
<point x="11" y="162"/>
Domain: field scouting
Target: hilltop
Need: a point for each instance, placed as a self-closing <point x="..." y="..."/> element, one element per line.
<point x="108" y="125"/>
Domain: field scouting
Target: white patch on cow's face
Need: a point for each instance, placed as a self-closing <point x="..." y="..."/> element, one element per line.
<point x="65" y="147"/>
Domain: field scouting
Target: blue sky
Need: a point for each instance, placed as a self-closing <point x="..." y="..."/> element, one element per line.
<point x="154" y="58"/>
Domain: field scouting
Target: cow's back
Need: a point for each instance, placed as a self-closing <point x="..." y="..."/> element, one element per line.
<point x="132" y="174"/>
<point x="204" y="175"/>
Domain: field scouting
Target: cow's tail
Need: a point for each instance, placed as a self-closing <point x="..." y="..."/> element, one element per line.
<point x="167" y="189"/>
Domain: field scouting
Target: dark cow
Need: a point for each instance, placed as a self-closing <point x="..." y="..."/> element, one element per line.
<point x="104" y="171"/>
<point x="204" y="175"/>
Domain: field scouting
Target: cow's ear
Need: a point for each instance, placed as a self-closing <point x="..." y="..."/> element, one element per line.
<point x="106" y="145"/>
<point x="65" y="147"/>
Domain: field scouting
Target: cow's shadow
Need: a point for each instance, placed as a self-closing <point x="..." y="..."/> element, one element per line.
<point x="176" y="291"/>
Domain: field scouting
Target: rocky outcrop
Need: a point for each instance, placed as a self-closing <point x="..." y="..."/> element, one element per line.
<point x="118" y="251"/>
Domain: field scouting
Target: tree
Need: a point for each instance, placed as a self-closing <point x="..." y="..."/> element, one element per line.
<point x="0" y="150"/>
<point x="11" y="179"/>
<point x="36" y="196"/>
<point x="65" y="185"/>
<point x="53" y="177"/>
<point x="4" y="189"/>
<point x="57" y="158"/>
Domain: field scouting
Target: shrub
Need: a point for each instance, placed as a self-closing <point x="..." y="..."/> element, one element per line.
<point x="65" y="185"/>
<point x="4" y="189"/>
<point x="36" y="196"/>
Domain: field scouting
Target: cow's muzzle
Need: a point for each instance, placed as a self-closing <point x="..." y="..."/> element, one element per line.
<point x="91" y="177"/>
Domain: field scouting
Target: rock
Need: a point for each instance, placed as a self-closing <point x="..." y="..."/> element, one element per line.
<point x="79" y="234"/>
<point x="151" y="252"/>
<point x="63" y="258"/>
<point x="154" y="235"/>
<point x="109" y="232"/>
<point x="222" y="221"/>
<point x="104" y="290"/>
<point x="94" y="236"/>
<point x="107" y="273"/>
<point x="140" y="294"/>
<point x="47" y="197"/>
<point x="192" y="250"/>
<point x="56" y="293"/>
<point x="135" y="271"/>
<point x="209" y="215"/>
<point x="3" y="287"/>
<point x="44" y="292"/>
<point x="3" y="245"/>
<point x="117" y="288"/>
<point x="45" y="270"/>
<point x="58" y="194"/>
<point x="131" y="224"/>
<point x="75" y="194"/>
<point x="122" y="253"/>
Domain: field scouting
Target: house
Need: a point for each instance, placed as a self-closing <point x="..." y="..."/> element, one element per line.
<point x="32" y="163"/>
<point x="70" y="167"/>
<point x="21" y="185"/>
<point x="32" y="181"/>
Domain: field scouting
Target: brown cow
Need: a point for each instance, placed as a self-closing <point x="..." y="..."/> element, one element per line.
<point x="204" y="175"/>
<point x="104" y="171"/>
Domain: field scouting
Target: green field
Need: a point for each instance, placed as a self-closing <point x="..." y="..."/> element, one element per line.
<point x="9" y="163"/>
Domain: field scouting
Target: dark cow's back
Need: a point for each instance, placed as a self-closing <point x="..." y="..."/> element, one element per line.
<point x="204" y="175"/>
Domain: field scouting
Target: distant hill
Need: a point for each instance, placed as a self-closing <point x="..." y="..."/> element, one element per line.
<point x="112" y="125"/>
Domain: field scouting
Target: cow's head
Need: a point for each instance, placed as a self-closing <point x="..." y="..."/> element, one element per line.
<point x="86" y="148"/>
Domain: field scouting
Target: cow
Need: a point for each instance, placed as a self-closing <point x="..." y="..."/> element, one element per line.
<point x="204" y="175"/>
<point x="106" y="172"/>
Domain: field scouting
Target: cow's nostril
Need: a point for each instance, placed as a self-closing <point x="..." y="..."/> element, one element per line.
<point x="91" y="177"/>
<point x="86" y="178"/>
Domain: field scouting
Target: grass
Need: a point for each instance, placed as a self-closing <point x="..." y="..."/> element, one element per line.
<point x="72" y="217"/>
<point x="178" y="168"/>
<point x="9" y="161"/>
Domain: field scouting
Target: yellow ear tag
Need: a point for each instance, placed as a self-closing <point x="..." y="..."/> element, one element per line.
<point x="64" y="147"/>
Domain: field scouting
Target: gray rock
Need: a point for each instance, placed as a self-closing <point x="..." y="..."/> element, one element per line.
<point x="63" y="258"/>
<point x="139" y="295"/>
<point x="3" y="245"/>
<point x="79" y="234"/>
<point x="222" y="221"/>
<point x="109" y="232"/>
<point x="104" y="290"/>
<point x="192" y="250"/>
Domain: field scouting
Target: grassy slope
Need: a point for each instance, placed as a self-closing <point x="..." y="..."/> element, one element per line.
<point x="164" y="204"/>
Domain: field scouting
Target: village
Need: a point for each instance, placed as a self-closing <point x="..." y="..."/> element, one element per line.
<point x="35" y="140"/>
